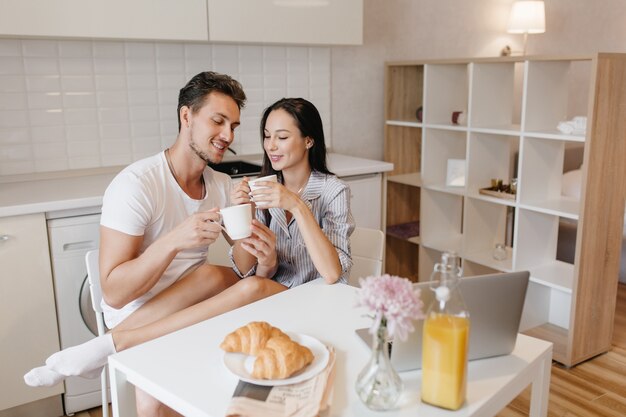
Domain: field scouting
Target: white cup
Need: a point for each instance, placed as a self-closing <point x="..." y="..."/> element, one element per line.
<point x="253" y="186"/>
<point x="237" y="221"/>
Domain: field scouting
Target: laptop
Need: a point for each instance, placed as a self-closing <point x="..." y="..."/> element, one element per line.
<point x="495" y="304"/>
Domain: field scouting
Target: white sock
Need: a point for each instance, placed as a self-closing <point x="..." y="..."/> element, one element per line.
<point x="42" y="377"/>
<point x="83" y="359"/>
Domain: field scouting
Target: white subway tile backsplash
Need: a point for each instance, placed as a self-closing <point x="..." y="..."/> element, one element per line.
<point x="75" y="49"/>
<point x="41" y="66"/>
<point x="12" y="83"/>
<point x="170" y="50"/>
<point x="44" y="100"/>
<point x="141" y="81"/>
<point x="82" y="133"/>
<point x="13" y="118"/>
<point x="112" y="98"/>
<point x="11" y="65"/>
<point x="108" y="49"/>
<point x="140" y="50"/>
<point x="12" y="101"/>
<point x="109" y="66"/>
<point x="10" y="136"/>
<point x="143" y="113"/>
<point x="51" y="150"/>
<point x="145" y="129"/>
<point x="88" y="116"/>
<point x="83" y="162"/>
<point x="80" y="99"/>
<point x="45" y="83"/>
<point x="44" y="134"/>
<point x="111" y="82"/>
<point x="142" y="97"/>
<point x="170" y="66"/>
<point x="10" y="47"/>
<point x="47" y="48"/>
<point x="47" y="117"/>
<point x="113" y="114"/>
<point x="68" y="104"/>
<point x="76" y="66"/>
<point x="140" y="65"/>
<point x="78" y="83"/>
<point x="113" y="131"/>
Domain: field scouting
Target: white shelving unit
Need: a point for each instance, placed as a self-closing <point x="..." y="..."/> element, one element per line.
<point x="513" y="106"/>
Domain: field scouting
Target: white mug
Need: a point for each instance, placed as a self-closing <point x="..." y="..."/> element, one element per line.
<point x="237" y="221"/>
<point x="253" y="186"/>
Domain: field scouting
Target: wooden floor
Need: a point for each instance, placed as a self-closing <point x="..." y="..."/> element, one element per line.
<point x="593" y="388"/>
<point x="596" y="387"/>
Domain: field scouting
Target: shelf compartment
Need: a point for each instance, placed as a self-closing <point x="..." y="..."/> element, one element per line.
<point x="496" y="95"/>
<point x="490" y="156"/>
<point x="485" y="225"/>
<point x="446" y="91"/>
<point x="541" y="175"/>
<point x="444" y="212"/>
<point x="563" y="207"/>
<point x="471" y="268"/>
<point x="403" y="123"/>
<point x="508" y="129"/>
<point x="403" y="147"/>
<point x="428" y="258"/>
<point x="405" y="231"/>
<point x="552" y="333"/>
<point x="404" y="92"/>
<point x="414" y="179"/>
<point x="402" y="258"/>
<point x="556" y="91"/>
<point x="441" y="145"/>
<point x="554" y="134"/>
<point x="556" y="274"/>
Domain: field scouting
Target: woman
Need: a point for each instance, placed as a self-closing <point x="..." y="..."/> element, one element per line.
<point x="301" y="235"/>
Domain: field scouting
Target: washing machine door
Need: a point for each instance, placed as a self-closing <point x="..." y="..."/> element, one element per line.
<point x="86" y="308"/>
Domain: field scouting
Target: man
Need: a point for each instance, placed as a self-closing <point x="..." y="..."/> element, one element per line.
<point x="158" y="218"/>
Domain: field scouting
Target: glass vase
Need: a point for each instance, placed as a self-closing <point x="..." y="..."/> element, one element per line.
<point x="378" y="385"/>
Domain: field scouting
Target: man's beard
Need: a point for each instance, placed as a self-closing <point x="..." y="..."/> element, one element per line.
<point x="208" y="159"/>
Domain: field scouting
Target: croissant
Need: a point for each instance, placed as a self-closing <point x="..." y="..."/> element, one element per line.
<point x="281" y="358"/>
<point x="251" y="338"/>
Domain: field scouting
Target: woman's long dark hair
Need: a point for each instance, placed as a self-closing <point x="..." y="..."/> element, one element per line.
<point x="309" y="122"/>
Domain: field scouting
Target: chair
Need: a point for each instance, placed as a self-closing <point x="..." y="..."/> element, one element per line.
<point x="93" y="275"/>
<point x="367" y="246"/>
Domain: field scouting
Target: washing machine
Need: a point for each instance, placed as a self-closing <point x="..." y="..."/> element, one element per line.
<point x="71" y="235"/>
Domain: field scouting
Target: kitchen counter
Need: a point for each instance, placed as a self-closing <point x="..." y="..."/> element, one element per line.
<point x="43" y="193"/>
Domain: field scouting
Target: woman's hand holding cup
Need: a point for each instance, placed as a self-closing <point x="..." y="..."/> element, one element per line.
<point x="262" y="245"/>
<point x="240" y="193"/>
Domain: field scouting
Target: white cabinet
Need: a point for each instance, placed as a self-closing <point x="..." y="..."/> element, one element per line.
<point x="320" y="22"/>
<point x="116" y="19"/>
<point x="513" y="106"/>
<point x="366" y="199"/>
<point x="28" y="328"/>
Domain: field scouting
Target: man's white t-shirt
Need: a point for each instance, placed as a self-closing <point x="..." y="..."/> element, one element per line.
<point x="145" y="200"/>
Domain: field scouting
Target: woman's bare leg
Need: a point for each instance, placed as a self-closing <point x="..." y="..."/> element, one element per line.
<point x="243" y="292"/>
<point x="204" y="282"/>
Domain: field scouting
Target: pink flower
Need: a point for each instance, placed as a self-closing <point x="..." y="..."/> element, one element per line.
<point x="393" y="301"/>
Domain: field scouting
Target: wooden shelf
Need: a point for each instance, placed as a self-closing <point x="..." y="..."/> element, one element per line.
<point x="405" y="231"/>
<point x="514" y="106"/>
<point x="413" y="179"/>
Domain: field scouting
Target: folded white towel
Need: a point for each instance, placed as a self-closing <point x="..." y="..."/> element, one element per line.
<point x="576" y="126"/>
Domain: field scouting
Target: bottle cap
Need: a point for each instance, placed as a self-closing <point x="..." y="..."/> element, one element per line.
<point x="442" y="293"/>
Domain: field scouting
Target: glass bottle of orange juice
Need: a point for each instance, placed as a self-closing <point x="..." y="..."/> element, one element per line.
<point x="445" y="338"/>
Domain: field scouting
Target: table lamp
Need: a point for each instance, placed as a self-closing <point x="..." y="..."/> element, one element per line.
<point x="527" y="17"/>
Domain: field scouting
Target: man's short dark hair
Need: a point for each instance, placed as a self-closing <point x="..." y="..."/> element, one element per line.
<point x="201" y="85"/>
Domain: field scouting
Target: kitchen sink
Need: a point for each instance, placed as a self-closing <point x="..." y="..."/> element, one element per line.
<point x="237" y="168"/>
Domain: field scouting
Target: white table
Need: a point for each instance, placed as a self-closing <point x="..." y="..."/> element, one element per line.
<point x="184" y="369"/>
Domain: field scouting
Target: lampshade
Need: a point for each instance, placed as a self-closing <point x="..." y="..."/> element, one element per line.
<point x="527" y="17"/>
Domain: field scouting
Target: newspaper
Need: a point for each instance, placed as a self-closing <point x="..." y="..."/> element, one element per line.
<point x="308" y="398"/>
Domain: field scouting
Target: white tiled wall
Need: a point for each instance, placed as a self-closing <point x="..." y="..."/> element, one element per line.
<point x="84" y="104"/>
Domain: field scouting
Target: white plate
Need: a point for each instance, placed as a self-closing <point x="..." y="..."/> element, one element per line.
<point x="241" y="365"/>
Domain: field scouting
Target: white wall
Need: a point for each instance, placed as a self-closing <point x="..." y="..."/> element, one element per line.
<point x="396" y="30"/>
